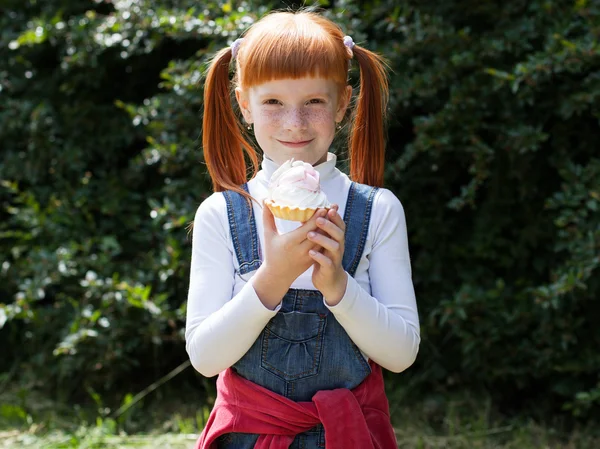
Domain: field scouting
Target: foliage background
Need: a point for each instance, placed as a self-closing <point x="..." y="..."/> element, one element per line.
<point x="493" y="150"/>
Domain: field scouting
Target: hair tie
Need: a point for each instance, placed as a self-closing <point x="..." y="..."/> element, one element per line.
<point x="235" y="46"/>
<point x="349" y="43"/>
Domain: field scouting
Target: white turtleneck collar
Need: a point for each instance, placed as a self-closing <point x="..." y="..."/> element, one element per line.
<point x="326" y="169"/>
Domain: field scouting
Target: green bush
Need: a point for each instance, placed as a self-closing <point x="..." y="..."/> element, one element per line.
<point x="493" y="135"/>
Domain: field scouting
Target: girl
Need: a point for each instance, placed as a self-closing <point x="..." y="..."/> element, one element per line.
<point x="298" y="318"/>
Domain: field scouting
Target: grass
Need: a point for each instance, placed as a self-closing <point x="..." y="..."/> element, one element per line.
<point x="89" y="438"/>
<point x="30" y="421"/>
<point x="103" y="435"/>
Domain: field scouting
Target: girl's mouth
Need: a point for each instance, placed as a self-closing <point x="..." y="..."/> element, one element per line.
<point x="295" y="144"/>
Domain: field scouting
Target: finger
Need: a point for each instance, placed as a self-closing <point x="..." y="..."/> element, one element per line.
<point x="335" y="217"/>
<point x="269" y="221"/>
<point x="326" y="242"/>
<point x="305" y="246"/>
<point x="320" y="211"/>
<point x="310" y="225"/>
<point x="331" y="228"/>
<point x="324" y="261"/>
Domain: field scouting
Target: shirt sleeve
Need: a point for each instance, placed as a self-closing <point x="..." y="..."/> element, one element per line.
<point x="385" y="323"/>
<point x="219" y="328"/>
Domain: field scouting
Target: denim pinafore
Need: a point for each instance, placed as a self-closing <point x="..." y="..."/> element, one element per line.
<point x="303" y="349"/>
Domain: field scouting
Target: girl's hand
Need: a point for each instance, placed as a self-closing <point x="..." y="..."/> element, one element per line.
<point x="328" y="274"/>
<point x="286" y="257"/>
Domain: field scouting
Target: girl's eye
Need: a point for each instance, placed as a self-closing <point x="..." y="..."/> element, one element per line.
<point x="316" y="101"/>
<point x="271" y="101"/>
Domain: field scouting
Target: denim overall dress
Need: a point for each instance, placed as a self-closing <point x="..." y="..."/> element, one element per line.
<point x="303" y="349"/>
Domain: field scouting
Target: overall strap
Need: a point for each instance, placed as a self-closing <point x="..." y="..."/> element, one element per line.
<point x="243" y="230"/>
<point x="357" y="216"/>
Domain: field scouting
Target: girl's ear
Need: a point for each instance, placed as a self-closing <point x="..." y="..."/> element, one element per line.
<point x="343" y="103"/>
<point x="244" y="103"/>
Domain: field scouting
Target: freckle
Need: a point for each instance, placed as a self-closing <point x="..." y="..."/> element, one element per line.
<point x="312" y="115"/>
<point x="271" y="115"/>
<point x="318" y="116"/>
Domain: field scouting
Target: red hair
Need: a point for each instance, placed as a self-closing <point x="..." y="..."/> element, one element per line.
<point x="292" y="45"/>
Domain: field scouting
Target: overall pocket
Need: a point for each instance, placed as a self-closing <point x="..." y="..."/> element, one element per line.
<point x="292" y="344"/>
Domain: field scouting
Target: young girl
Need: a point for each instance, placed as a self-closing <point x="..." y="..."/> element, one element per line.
<point x="298" y="318"/>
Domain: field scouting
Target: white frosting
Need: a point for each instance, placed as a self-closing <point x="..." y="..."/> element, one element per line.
<point x="296" y="184"/>
<point x="300" y="198"/>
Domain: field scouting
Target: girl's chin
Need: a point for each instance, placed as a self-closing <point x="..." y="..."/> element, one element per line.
<point x="312" y="159"/>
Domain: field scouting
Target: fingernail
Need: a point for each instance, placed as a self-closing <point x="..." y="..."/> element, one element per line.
<point x="311" y="234"/>
<point x="321" y="221"/>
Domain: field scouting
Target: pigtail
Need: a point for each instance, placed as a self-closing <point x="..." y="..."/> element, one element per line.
<point x="222" y="139"/>
<point x="366" y="143"/>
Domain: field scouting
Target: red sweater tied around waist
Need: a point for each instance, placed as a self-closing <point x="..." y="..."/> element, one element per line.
<point x="357" y="418"/>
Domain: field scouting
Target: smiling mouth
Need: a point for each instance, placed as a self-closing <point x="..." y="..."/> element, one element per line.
<point x="295" y="144"/>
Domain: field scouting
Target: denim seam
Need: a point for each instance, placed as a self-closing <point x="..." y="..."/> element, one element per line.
<point x="299" y="304"/>
<point x="305" y="292"/>
<point x="364" y="232"/>
<point x="233" y="226"/>
<point x="252" y="222"/>
<point x="360" y="357"/>
<point x="348" y="214"/>
<point x="349" y="202"/>
<point x="361" y="240"/>
<point x="322" y="318"/>
<point x="272" y="332"/>
<point x="265" y="345"/>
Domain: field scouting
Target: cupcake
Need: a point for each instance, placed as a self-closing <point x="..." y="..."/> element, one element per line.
<point x="295" y="192"/>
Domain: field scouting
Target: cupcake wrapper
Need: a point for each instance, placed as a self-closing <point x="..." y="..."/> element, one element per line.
<point x="291" y="213"/>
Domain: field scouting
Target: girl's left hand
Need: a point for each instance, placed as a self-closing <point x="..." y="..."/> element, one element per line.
<point x="329" y="277"/>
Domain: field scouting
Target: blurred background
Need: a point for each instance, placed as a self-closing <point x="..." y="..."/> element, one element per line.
<point x="493" y="149"/>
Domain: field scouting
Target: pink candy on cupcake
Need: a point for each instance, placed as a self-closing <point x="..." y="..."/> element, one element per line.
<point x="295" y="192"/>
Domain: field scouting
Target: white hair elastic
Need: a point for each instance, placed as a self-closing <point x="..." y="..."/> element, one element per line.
<point x="235" y="46"/>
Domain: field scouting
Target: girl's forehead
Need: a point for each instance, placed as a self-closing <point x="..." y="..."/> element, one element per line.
<point x="296" y="86"/>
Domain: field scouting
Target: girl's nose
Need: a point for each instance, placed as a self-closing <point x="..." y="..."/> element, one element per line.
<point x="296" y="118"/>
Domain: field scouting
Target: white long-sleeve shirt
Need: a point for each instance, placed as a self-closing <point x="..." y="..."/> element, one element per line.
<point x="378" y="310"/>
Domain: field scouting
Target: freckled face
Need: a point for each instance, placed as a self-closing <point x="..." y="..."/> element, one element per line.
<point x="294" y="118"/>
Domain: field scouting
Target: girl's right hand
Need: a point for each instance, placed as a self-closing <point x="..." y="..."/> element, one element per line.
<point x="286" y="257"/>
